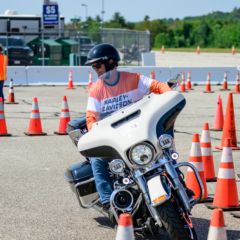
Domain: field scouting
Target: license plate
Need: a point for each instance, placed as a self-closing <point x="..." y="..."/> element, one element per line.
<point x="157" y="192"/>
<point x="17" y="62"/>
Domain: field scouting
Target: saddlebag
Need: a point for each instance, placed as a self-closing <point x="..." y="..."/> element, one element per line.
<point x="81" y="180"/>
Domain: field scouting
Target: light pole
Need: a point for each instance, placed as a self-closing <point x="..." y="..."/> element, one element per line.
<point x="86" y="9"/>
<point x="102" y="12"/>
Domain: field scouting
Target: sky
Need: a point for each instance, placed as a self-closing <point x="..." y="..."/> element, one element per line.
<point x="131" y="10"/>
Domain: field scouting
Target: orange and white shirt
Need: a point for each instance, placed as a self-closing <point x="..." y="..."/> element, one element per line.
<point x="105" y="99"/>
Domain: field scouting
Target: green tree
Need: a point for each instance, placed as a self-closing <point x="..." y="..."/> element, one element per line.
<point x="117" y="21"/>
<point x="201" y="34"/>
<point x="162" y="39"/>
<point x="228" y="36"/>
<point x="217" y="29"/>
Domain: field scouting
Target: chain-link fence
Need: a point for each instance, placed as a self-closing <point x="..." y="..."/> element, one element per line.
<point x="49" y="49"/>
<point x="129" y="43"/>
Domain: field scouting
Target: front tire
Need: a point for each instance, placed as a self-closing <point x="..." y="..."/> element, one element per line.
<point x="175" y="225"/>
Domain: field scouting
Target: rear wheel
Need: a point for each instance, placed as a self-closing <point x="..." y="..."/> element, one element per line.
<point x="175" y="225"/>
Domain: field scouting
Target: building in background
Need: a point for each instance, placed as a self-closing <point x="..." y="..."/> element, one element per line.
<point x="28" y="26"/>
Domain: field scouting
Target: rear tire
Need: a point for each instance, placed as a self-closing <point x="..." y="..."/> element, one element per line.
<point x="176" y="226"/>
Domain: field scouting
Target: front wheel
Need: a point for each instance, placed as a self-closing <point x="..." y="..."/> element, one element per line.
<point x="175" y="225"/>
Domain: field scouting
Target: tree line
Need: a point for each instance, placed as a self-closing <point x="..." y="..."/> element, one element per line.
<point x="214" y="30"/>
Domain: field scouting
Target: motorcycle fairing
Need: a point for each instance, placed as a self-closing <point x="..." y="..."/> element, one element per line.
<point x="131" y="125"/>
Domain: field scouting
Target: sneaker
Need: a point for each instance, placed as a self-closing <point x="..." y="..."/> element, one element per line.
<point x="106" y="206"/>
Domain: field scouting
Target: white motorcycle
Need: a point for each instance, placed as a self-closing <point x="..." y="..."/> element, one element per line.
<point x="148" y="184"/>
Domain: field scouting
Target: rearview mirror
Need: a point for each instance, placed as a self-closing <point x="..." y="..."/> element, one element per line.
<point x="175" y="81"/>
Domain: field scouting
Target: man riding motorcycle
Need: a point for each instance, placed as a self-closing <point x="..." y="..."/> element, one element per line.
<point x="113" y="90"/>
<point x="130" y="159"/>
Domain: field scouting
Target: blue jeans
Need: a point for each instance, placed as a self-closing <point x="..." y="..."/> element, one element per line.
<point x="1" y="89"/>
<point x="103" y="181"/>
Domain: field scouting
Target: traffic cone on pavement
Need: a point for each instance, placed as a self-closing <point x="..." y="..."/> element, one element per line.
<point x="217" y="229"/>
<point x="219" y="119"/>
<point x="226" y="193"/>
<point x="195" y="158"/>
<point x="3" y="125"/>
<point x="11" y="98"/>
<point x="208" y="84"/>
<point x="182" y="85"/>
<point x="90" y="81"/>
<point x="70" y="80"/>
<point x="163" y="49"/>
<point x="64" y="118"/>
<point x="237" y="85"/>
<point x="125" y="227"/>
<point x="229" y="130"/>
<point x="225" y="83"/>
<point x="207" y="157"/>
<point x="35" y="125"/>
<point x="152" y="74"/>
<point x="198" y="50"/>
<point x="233" y="50"/>
<point x="189" y="84"/>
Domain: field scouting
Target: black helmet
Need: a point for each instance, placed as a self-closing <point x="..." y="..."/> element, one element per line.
<point x="102" y="52"/>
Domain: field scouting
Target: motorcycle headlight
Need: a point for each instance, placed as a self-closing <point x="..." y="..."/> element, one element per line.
<point x="141" y="154"/>
<point x="117" y="166"/>
<point x="165" y="141"/>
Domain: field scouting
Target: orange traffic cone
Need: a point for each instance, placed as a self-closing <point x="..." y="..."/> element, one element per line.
<point x="3" y="125"/>
<point x="11" y="99"/>
<point x="70" y="80"/>
<point x="35" y="126"/>
<point x="226" y="193"/>
<point x="208" y="84"/>
<point x="189" y="84"/>
<point x="217" y="230"/>
<point x="90" y="81"/>
<point x="152" y="74"/>
<point x="233" y="50"/>
<point x="64" y="118"/>
<point x="195" y="158"/>
<point x="219" y="119"/>
<point x="125" y="227"/>
<point x="225" y="83"/>
<point x="207" y="157"/>
<point x="182" y="85"/>
<point x="163" y="49"/>
<point x="198" y="50"/>
<point x="237" y="85"/>
<point x="229" y="130"/>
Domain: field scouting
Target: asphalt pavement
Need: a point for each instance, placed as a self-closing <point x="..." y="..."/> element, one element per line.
<point x="35" y="201"/>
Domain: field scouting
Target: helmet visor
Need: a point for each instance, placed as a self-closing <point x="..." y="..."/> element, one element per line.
<point x="94" y="60"/>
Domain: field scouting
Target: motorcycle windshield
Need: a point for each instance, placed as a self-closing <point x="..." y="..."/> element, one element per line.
<point x="142" y="121"/>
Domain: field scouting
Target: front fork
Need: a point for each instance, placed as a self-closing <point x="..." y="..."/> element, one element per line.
<point x="178" y="186"/>
<point x="171" y="170"/>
